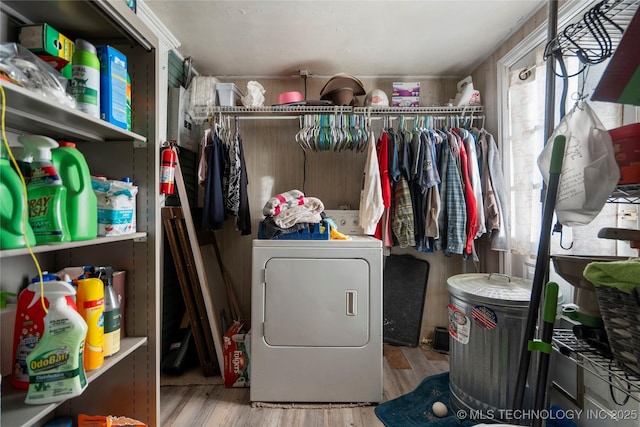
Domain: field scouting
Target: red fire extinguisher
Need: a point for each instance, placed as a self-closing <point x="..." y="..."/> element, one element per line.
<point x="168" y="163"/>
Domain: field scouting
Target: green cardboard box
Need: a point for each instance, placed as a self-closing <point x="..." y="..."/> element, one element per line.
<point x="50" y="45"/>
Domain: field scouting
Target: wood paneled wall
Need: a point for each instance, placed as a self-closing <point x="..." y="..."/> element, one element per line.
<point x="275" y="164"/>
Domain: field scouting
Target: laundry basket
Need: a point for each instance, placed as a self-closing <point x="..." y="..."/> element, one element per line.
<point x="621" y="316"/>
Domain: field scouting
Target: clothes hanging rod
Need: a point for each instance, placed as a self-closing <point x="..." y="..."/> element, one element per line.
<point x="295" y="111"/>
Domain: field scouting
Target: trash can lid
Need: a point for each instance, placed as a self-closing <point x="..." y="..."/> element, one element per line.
<point x="491" y="288"/>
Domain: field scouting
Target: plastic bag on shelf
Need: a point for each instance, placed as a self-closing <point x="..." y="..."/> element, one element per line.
<point x="23" y="68"/>
<point x="200" y="98"/>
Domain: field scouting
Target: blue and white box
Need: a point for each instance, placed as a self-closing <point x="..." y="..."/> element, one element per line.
<point x="113" y="86"/>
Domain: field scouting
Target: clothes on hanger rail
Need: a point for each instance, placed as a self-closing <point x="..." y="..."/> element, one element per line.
<point x="222" y="172"/>
<point x="441" y="188"/>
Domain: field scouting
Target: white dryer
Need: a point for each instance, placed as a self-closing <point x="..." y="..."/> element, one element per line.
<point x="316" y="320"/>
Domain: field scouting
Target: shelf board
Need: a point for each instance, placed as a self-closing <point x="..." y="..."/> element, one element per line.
<point x="337" y="109"/>
<point x="140" y="236"/>
<point x="28" y="110"/>
<point x="17" y="413"/>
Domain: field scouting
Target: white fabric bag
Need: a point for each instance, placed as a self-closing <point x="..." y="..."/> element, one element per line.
<point x="589" y="169"/>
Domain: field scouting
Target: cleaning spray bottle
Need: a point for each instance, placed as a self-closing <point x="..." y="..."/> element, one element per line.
<point x="47" y="197"/>
<point x="111" y="311"/>
<point x="90" y="302"/>
<point x="82" y="203"/>
<point x="29" y="326"/>
<point x="14" y="223"/>
<point x="55" y="366"/>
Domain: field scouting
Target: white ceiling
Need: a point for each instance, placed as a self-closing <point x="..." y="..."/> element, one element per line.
<point x="269" y="38"/>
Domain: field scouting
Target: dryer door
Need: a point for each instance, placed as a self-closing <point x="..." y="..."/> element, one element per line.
<point x="316" y="302"/>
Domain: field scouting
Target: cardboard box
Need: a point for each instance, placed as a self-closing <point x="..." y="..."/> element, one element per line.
<point x="406" y="89"/>
<point x="113" y="86"/>
<point x="50" y="45"/>
<point x="405" y="101"/>
<point x="236" y="353"/>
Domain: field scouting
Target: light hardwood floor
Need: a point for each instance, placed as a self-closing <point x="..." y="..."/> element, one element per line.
<point x="217" y="406"/>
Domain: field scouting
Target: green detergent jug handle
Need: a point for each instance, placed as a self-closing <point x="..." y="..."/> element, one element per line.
<point x="3" y="298"/>
<point x="20" y="212"/>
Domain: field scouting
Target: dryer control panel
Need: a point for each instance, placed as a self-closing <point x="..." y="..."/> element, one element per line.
<point x="348" y="221"/>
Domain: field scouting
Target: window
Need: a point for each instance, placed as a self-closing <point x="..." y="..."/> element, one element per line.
<point x="523" y="135"/>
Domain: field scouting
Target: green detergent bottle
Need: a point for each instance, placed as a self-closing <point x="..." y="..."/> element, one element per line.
<point x="15" y="231"/>
<point x="82" y="203"/>
<point x="47" y="197"/>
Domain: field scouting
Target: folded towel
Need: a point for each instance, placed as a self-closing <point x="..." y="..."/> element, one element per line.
<point x="308" y="212"/>
<point x="283" y="201"/>
<point x="623" y="275"/>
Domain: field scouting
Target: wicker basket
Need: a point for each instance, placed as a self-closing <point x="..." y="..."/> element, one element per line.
<point x="621" y="316"/>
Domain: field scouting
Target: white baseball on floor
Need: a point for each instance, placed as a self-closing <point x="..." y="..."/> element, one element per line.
<point x="439" y="409"/>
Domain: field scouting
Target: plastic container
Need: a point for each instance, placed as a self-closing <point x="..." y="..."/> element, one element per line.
<point x="29" y="327"/>
<point x="82" y="203"/>
<point x="14" y="224"/>
<point x="128" y="102"/>
<point x="85" y="78"/>
<point x="90" y="302"/>
<point x="111" y="311"/>
<point x="47" y="196"/>
<point x="228" y="94"/>
<point x="626" y="146"/>
<point x="312" y="232"/>
<point x="116" y="206"/>
<point x="55" y="364"/>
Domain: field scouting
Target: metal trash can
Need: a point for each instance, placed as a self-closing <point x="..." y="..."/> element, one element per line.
<point x="487" y="319"/>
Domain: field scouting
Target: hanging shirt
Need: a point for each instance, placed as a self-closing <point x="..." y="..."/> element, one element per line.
<point x="499" y="240"/>
<point x="455" y="204"/>
<point x="474" y="174"/>
<point x="371" y="201"/>
<point x="402" y="214"/>
<point x="243" y="221"/>
<point x="234" y="170"/>
<point x="382" y="147"/>
<point x="204" y="157"/>
<point x="213" y="214"/>
<point x="469" y="198"/>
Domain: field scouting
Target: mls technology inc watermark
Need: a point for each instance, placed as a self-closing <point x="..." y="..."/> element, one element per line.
<point x="545" y="414"/>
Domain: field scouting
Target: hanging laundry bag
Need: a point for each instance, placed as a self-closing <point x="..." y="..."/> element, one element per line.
<point x="589" y="169"/>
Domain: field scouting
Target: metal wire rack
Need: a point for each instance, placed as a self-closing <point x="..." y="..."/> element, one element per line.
<point x="625" y="194"/>
<point x="596" y="35"/>
<point x="603" y="367"/>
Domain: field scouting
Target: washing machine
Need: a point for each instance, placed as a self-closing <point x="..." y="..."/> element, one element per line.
<point x="316" y="320"/>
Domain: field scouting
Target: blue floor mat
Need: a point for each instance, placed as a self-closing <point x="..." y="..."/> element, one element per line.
<point x="414" y="409"/>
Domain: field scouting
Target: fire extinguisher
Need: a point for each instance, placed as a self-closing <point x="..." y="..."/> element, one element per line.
<point x="168" y="163"/>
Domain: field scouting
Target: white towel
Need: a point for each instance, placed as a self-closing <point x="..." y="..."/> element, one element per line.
<point x="307" y="212"/>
